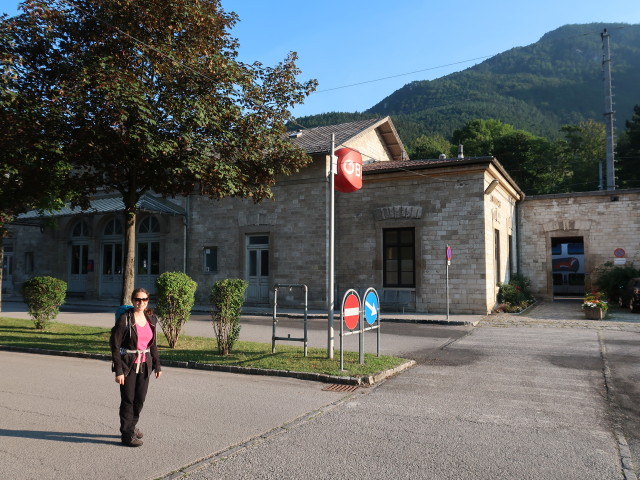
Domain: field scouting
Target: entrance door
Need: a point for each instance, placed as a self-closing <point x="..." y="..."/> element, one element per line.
<point x="257" y="268"/>
<point x="567" y="259"/>
<point x="79" y="258"/>
<point x="79" y="268"/>
<point x="148" y="254"/>
<point x="112" y="259"/>
<point x="111" y="281"/>
<point x="7" y="269"/>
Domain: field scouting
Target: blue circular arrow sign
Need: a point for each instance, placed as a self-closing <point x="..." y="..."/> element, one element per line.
<point x="371" y="307"/>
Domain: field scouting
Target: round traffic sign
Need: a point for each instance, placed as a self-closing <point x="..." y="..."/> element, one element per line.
<point x="619" y="252"/>
<point x="351" y="311"/>
<point x="448" y="253"/>
<point x="371" y="307"/>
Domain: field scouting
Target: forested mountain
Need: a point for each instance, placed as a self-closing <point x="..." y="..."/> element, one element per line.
<point x="538" y="88"/>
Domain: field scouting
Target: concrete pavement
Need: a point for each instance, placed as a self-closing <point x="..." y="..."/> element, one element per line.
<point x="544" y="395"/>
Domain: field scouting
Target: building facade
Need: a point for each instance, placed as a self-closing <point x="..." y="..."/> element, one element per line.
<point x="391" y="235"/>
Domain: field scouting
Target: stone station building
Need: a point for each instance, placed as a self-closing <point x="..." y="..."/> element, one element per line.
<point x="391" y="235"/>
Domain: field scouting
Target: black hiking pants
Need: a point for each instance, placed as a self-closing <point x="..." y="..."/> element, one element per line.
<point x="132" y="396"/>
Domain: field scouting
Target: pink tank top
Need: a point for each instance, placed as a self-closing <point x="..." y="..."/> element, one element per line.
<point x="145" y="335"/>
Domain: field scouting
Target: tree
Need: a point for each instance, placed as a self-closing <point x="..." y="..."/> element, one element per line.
<point x="430" y="146"/>
<point x="629" y="152"/>
<point x="584" y="147"/>
<point x="34" y="175"/>
<point x="530" y="161"/>
<point x="478" y="136"/>
<point x="150" y="96"/>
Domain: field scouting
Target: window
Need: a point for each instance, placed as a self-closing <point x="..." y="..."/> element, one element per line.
<point x="148" y="255"/>
<point x="149" y="225"/>
<point x="399" y="257"/>
<point x="80" y="229"/>
<point x="114" y="227"/>
<point x="210" y="259"/>
<point x="497" y="254"/>
<point x="28" y="262"/>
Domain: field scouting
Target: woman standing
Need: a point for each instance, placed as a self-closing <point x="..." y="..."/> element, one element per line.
<point x="135" y="357"/>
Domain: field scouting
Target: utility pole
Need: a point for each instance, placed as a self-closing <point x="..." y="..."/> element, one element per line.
<point x="608" y="110"/>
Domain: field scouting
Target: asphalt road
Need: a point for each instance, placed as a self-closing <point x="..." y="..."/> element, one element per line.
<point x="531" y="398"/>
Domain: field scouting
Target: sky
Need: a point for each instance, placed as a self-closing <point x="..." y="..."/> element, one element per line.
<point x="361" y="51"/>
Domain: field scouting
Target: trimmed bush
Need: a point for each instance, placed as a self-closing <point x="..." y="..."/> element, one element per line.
<point x="227" y="297"/>
<point x="43" y="296"/>
<point x="611" y="279"/>
<point x="175" y="298"/>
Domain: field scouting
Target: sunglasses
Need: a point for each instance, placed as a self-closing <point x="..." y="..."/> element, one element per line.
<point x="141" y="299"/>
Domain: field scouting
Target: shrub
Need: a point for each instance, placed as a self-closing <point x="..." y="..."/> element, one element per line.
<point x="610" y="278"/>
<point x="515" y="295"/>
<point x="43" y="296"/>
<point x="175" y="298"/>
<point x="227" y="297"/>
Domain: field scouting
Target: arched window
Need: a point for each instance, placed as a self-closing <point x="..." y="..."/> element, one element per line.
<point x="149" y="225"/>
<point x="113" y="227"/>
<point x="80" y="229"/>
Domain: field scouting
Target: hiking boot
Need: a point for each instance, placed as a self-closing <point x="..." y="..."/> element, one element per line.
<point x="138" y="433"/>
<point x="133" y="442"/>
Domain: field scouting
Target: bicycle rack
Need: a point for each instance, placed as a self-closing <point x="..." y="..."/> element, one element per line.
<point x="288" y="338"/>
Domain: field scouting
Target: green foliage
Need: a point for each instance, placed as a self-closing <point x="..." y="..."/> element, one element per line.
<point x="43" y="296"/>
<point x="610" y="278"/>
<point x="175" y="298"/>
<point x="628" y="153"/>
<point x="227" y="297"/>
<point x="430" y="146"/>
<point x="515" y="296"/>
<point x="136" y="99"/>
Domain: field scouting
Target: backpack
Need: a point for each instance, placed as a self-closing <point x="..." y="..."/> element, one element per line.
<point x="122" y="309"/>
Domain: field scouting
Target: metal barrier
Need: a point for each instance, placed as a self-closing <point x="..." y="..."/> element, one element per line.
<point x="275" y="317"/>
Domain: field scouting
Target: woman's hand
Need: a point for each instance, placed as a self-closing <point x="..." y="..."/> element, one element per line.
<point x="120" y="379"/>
<point x="158" y="374"/>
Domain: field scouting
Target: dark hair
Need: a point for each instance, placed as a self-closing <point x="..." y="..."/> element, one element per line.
<point x="148" y="311"/>
<point x="137" y="291"/>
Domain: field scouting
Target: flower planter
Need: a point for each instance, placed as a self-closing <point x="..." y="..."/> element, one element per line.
<point x="593" y="313"/>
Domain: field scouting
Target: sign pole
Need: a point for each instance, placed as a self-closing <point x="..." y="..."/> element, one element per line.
<point x="330" y="270"/>
<point x="448" y="263"/>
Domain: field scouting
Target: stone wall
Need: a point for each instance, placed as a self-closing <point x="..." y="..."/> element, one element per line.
<point x="606" y="220"/>
<point x="295" y="222"/>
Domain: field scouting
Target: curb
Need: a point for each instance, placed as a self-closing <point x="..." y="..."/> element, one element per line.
<point x="367" y="380"/>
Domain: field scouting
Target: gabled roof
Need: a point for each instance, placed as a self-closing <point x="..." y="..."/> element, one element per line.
<point x="318" y="140"/>
<point x="412" y="165"/>
<point x="107" y="204"/>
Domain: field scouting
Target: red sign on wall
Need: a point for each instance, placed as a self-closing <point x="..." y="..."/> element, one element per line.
<point x="349" y="175"/>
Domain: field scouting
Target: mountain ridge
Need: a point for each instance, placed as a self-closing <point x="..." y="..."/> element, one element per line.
<point x="540" y="87"/>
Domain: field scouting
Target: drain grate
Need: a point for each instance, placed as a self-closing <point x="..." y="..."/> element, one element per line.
<point x="340" y="388"/>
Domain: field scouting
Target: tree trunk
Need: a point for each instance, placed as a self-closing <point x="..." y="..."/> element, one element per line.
<point x="1" y="264"/>
<point x="128" y="275"/>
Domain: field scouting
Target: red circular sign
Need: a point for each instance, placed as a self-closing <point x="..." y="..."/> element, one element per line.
<point x="349" y="174"/>
<point x="351" y="311"/>
<point x="448" y="252"/>
<point x="619" y="253"/>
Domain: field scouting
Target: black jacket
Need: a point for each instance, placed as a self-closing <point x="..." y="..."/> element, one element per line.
<point x="126" y="330"/>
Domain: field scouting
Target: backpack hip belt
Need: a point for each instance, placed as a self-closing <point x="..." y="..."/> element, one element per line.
<point x="139" y="353"/>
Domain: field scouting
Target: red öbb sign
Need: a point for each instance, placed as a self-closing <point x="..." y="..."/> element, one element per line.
<point x="349" y="175"/>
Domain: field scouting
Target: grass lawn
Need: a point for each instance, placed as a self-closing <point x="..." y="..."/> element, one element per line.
<point x="74" y="338"/>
